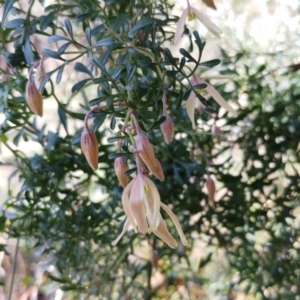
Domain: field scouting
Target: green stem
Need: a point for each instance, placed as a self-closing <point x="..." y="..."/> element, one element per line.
<point x="11" y="284"/>
<point x="27" y="20"/>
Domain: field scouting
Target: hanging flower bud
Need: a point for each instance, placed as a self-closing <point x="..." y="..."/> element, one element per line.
<point x="167" y="129"/>
<point x="154" y="259"/>
<point x="146" y="152"/>
<point x="34" y="98"/>
<point x="216" y="131"/>
<point x="211" y="188"/>
<point x="120" y="169"/>
<point x="89" y="147"/>
<point x="40" y="73"/>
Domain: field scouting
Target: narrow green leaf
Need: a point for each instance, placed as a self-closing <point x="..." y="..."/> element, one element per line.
<point x="98" y="121"/>
<point x="104" y="42"/>
<point x="7" y="6"/>
<point x="28" y="52"/>
<point x="52" y="54"/>
<point x="113" y="122"/>
<point x="117" y="73"/>
<point x="88" y="35"/>
<point x="115" y="155"/>
<point x="56" y="38"/>
<point x="47" y="20"/>
<point x="63" y="48"/>
<point x="78" y="86"/>
<point x="14" y="23"/>
<point x="113" y="139"/>
<point x="82" y="68"/>
<point x="62" y="117"/>
<point x="69" y="27"/>
<point x="143" y="23"/>
<point x="210" y="63"/>
<point x="187" y="55"/>
<point x="200" y="86"/>
<point x="59" y="74"/>
<point x="182" y="62"/>
<point x="158" y="122"/>
<point x="186" y="94"/>
<point x="130" y="171"/>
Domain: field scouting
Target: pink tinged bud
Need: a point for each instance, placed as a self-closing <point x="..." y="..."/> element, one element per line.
<point x="211" y="188"/>
<point x="146" y="152"/>
<point x="154" y="259"/>
<point x="34" y="98"/>
<point x="89" y="147"/>
<point x="167" y="129"/>
<point x="120" y="169"/>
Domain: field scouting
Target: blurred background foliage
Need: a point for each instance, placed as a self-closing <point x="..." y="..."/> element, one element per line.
<point x="60" y="217"/>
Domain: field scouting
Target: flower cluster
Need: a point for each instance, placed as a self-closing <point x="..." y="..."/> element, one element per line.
<point x="140" y="199"/>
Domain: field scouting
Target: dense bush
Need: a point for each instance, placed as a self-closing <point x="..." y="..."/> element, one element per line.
<point x="70" y="213"/>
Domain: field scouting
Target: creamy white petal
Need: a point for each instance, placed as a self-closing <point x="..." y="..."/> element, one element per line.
<point x="137" y="203"/>
<point x="206" y="21"/>
<point x="180" y="26"/>
<point x="218" y="98"/>
<point x="176" y="223"/>
<point x="125" y="227"/>
<point x="190" y="108"/>
<point x="156" y="203"/>
<point x="126" y="204"/>
<point x="163" y="233"/>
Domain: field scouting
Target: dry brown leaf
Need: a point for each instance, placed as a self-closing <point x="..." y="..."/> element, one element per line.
<point x="210" y="3"/>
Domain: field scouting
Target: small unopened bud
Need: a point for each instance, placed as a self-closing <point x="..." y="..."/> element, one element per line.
<point x="154" y="259"/>
<point x="216" y="131"/>
<point x="211" y="188"/>
<point x="167" y="129"/>
<point x="120" y="169"/>
<point x="146" y="152"/>
<point x="89" y="147"/>
<point x="39" y="74"/>
<point x="34" y="98"/>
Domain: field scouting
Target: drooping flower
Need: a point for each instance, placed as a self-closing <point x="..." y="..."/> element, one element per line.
<point x="167" y="129"/>
<point x="141" y="203"/>
<point x="192" y="13"/>
<point x="34" y="98"/>
<point x="192" y="100"/>
<point x="89" y="147"/>
<point x="120" y="168"/>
